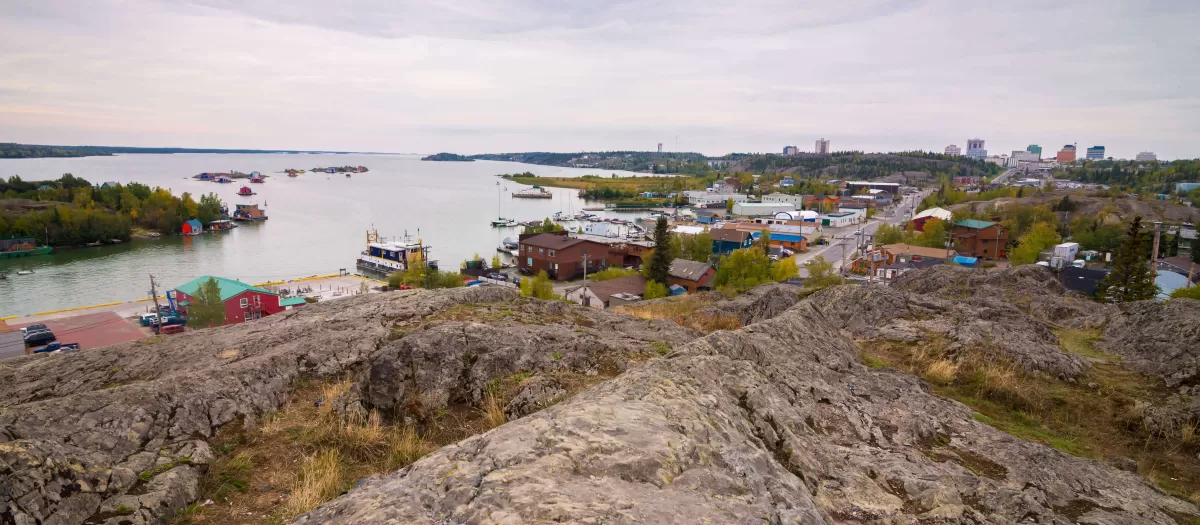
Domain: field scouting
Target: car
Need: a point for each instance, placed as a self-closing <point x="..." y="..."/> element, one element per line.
<point x="34" y="328"/>
<point x="57" y="347"/>
<point x="39" y="338"/>
<point x="174" y="329"/>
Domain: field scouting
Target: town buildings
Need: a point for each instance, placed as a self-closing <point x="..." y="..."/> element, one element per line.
<point x="1146" y="156"/>
<point x="854" y="187"/>
<point x="838" y="219"/>
<point x="705" y="198"/>
<point x="976" y="149"/>
<point x="691" y="275"/>
<point x="243" y="302"/>
<point x="822" y="146"/>
<point x="609" y="293"/>
<point x="560" y="256"/>
<point x="953" y="150"/>
<point x="1066" y="155"/>
<point x="778" y="198"/>
<point x="726" y="240"/>
<point x="791" y="150"/>
<point x="980" y="239"/>
<point x="1036" y="150"/>
<point x="918" y="221"/>
<point x="761" y="209"/>
<point x="1095" y="153"/>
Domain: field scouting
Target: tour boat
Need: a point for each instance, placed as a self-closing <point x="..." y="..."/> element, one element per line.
<point x="384" y="257"/>
<point x="246" y="191"/>
<point x="21" y="247"/>
<point x="536" y="192"/>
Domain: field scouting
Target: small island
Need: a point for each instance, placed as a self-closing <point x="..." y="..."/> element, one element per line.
<point x="448" y="157"/>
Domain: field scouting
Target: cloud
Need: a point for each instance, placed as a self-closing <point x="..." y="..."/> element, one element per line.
<point x="477" y="76"/>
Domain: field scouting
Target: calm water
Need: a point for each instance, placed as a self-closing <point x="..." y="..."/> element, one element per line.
<point x="317" y="222"/>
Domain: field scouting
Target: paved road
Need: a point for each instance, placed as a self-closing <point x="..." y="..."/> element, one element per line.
<point x="1003" y="176"/>
<point x="896" y="214"/>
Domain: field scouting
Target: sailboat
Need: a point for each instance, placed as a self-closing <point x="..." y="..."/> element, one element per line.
<point x="501" y="222"/>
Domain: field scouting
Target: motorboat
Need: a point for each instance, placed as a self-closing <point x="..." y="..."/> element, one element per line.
<point x="24" y="272"/>
<point x="501" y="222"/>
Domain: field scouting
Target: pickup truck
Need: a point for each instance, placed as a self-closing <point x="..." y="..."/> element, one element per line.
<point x="56" y="347"/>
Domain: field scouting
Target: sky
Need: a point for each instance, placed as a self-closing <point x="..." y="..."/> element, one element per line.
<point x="480" y="76"/>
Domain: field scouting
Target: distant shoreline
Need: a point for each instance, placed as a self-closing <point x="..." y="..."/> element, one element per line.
<point x="40" y="151"/>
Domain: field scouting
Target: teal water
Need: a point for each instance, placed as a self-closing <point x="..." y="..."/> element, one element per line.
<point x="317" y="222"/>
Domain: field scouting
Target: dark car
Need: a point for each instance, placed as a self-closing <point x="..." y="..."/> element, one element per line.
<point x="57" y="347"/>
<point x="39" y="338"/>
<point x="34" y="328"/>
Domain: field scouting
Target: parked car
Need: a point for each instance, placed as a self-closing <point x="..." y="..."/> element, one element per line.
<point x="34" y="328"/>
<point x="174" y="329"/>
<point x="57" y="347"/>
<point x="39" y="338"/>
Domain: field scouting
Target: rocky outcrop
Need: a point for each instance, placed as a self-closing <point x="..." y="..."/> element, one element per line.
<point x="1159" y="339"/>
<point x="758" y="304"/>
<point x="116" y="435"/>
<point x="777" y="423"/>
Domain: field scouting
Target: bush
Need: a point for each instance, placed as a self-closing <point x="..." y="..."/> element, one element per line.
<point x="1191" y="292"/>
<point x="539" y="286"/>
<point x="611" y="273"/>
<point x="654" y="290"/>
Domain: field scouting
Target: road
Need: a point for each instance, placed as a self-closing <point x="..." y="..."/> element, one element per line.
<point x="999" y="181"/>
<point x="846" y="239"/>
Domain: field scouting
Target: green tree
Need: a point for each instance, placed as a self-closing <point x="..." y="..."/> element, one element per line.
<point x="784" y="269"/>
<point x="764" y="242"/>
<point x="1130" y="279"/>
<point x="1187" y="292"/>
<point x="547" y="226"/>
<point x="496" y="263"/>
<point x="696" y="247"/>
<point x="891" y="234"/>
<point x="207" y="309"/>
<point x="729" y="204"/>
<point x="820" y="275"/>
<point x="610" y="273"/>
<point x="743" y="269"/>
<point x="660" y="260"/>
<point x="934" y="234"/>
<point x="654" y="290"/>
<point x="539" y="286"/>
<point x="1040" y="237"/>
<point x="1173" y="246"/>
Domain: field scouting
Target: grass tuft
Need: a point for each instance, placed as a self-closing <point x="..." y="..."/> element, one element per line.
<point x="321" y="478"/>
<point x="493" y="409"/>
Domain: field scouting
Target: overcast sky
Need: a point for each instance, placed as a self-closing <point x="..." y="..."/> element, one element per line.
<point x="475" y="76"/>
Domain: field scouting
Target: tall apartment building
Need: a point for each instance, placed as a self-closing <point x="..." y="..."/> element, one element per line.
<point x="1036" y="150"/>
<point x="791" y="150"/>
<point x="1095" y="153"/>
<point x="660" y="147"/>
<point x="976" y="149"/>
<point x="953" y="150"/>
<point x="822" y="146"/>
<point x="1146" y="156"/>
<point x="1066" y="155"/>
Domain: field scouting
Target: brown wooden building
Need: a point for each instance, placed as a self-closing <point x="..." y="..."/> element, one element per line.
<point x="983" y="239"/>
<point x="560" y="256"/>
<point x="691" y="275"/>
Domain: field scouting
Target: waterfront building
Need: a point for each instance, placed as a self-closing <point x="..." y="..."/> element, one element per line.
<point x="1146" y="156"/>
<point x="1095" y="153"/>
<point x="976" y="149"/>
<point x="243" y="302"/>
<point x="822" y="146"/>
<point x="953" y="150"/>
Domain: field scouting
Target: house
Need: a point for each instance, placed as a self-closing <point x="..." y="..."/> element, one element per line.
<point x="243" y="302"/>
<point x="560" y="256"/>
<point x="691" y="275"/>
<point x="192" y="227"/>
<point x="726" y="240"/>
<point x="795" y="200"/>
<point x="1180" y="265"/>
<point x="903" y="266"/>
<point x="600" y="294"/>
<point x="838" y="219"/>
<point x="1082" y="280"/>
<point x="859" y="211"/>
<point x="108" y="185"/>
<point x="892" y="260"/>
<point x="941" y="214"/>
<point x="980" y="239"/>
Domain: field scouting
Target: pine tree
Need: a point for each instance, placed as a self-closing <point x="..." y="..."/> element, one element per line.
<point x="1173" y="245"/>
<point x="660" y="260"/>
<point x="1130" y="279"/>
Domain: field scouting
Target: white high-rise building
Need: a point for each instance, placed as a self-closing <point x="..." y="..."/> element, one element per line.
<point x="822" y="146"/>
<point x="976" y="149"/>
<point x="953" y="150"/>
<point x="1147" y="156"/>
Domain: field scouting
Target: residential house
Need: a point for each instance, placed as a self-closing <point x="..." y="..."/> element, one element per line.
<point x="918" y="220"/>
<point x="600" y="294"/>
<point x="726" y="240"/>
<point x="980" y="239"/>
<point x="243" y="302"/>
<point x="691" y="275"/>
<point x="892" y="260"/>
<point x="1180" y="265"/>
<point x="107" y="185"/>
<point x="559" y="255"/>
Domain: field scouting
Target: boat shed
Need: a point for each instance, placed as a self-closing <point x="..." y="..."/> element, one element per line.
<point x="192" y="227"/>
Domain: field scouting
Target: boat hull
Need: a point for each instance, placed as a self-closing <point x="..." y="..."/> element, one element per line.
<point x="41" y="250"/>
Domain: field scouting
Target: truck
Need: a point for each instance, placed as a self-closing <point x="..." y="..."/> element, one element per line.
<point x="56" y="347"/>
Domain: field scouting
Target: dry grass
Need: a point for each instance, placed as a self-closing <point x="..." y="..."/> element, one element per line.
<point x="683" y="312"/>
<point x="493" y="409"/>
<point x="321" y="478"/>
<point x="1099" y="421"/>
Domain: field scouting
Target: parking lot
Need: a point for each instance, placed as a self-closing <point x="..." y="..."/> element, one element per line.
<point x="91" y="330"/>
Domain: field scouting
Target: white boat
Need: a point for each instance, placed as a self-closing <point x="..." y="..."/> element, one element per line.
<point x="383" y="257"/>
<point x="24" y="272"/>
<point x="501" y="222"/>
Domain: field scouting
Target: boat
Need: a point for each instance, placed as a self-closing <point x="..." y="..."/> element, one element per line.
<point x="24" y="272"/>
<point x="293" y="174"/>
<point x="536" y="192"/>
<point x="3" y="276"/>
<point x="93" y="244"/>
<point x="347" y="175"/>
<point x="503" y="223"/>
<point x="248" y="212"/>
<point x="509" y="245"/>
<point x="153" y="235"/>
<point x="221" y="225"/>
<point x="21" y="247"/>
<point x="257" y="179"/>
<point x="245" y="191"/>
<point x="222" y="180"/>
<point x="381" y="258"/>
<point x="115" y="241"/>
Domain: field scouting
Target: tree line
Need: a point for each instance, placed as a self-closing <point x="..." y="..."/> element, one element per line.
<point x="75" y="212"/>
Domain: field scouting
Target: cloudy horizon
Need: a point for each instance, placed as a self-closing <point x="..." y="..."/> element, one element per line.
<point x="470" y="76"/>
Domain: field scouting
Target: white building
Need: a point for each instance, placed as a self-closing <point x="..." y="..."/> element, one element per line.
<point x="860" y="214"/>
<point x="1024" y="156"/>
<point x="708" y="197"/>
<point x="688" y="230"/>
<point x="1146" y="156"/>
<point x="838" y="220"/>
<point x="976" y="149"/>
<point x="941" y="214"/>
<point x="953" y="150"/>
<point x="822" y="147"/>
<point x="791" y="150"/>
<point x="761" y="209"/>
<point x="796" y="200"/>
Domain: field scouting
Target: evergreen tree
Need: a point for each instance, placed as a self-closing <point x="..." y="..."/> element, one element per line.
<point x="660" y="260"/>
<point x="1130" y="279"/>
<point x="1020" y="191"/>
<point x="1173" y="245"/>
<point x="207" y="309"/>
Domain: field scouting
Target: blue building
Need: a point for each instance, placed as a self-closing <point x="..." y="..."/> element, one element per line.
<point x="1186" y="186"/>
<point x="726" y="240"/>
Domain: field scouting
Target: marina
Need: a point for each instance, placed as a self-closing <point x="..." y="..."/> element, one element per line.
<point x="316" y="224"/>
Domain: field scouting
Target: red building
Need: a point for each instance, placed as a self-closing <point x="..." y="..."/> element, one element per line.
<point x="982" y="239"/>
<point x="243" y="302"/>
<point x="560" y="256"/>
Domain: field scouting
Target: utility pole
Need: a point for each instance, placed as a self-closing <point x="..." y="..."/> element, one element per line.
<point x="157" y="309"/>
<point x="586" y="300"/>
<point x="1154" y="254"/>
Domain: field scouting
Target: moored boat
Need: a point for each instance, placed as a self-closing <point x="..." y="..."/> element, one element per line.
<point x="248" y="212"/>
<point x="536" y="192"/>
<point x="21" y="247"/>
<point x="501" y="222"/>
<point x="381" y="258"/>
<point x="245" y="191"/>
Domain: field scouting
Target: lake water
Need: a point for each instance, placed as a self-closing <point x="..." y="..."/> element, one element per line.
<point x="317" y="222"/>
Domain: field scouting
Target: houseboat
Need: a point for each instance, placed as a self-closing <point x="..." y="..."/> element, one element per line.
<point x="381" y="258"/>
<point x="293" y="173"/>
<point x="536" y="192"/>
<point x="248" y="212"/>
<point x="221" y="225"/>
<point x="222" y="180"/>
<point x="21" y="247"/>
<point x="257" y="178"/>
<point x="192" y="227"/>
<point x="245" y="191"/>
